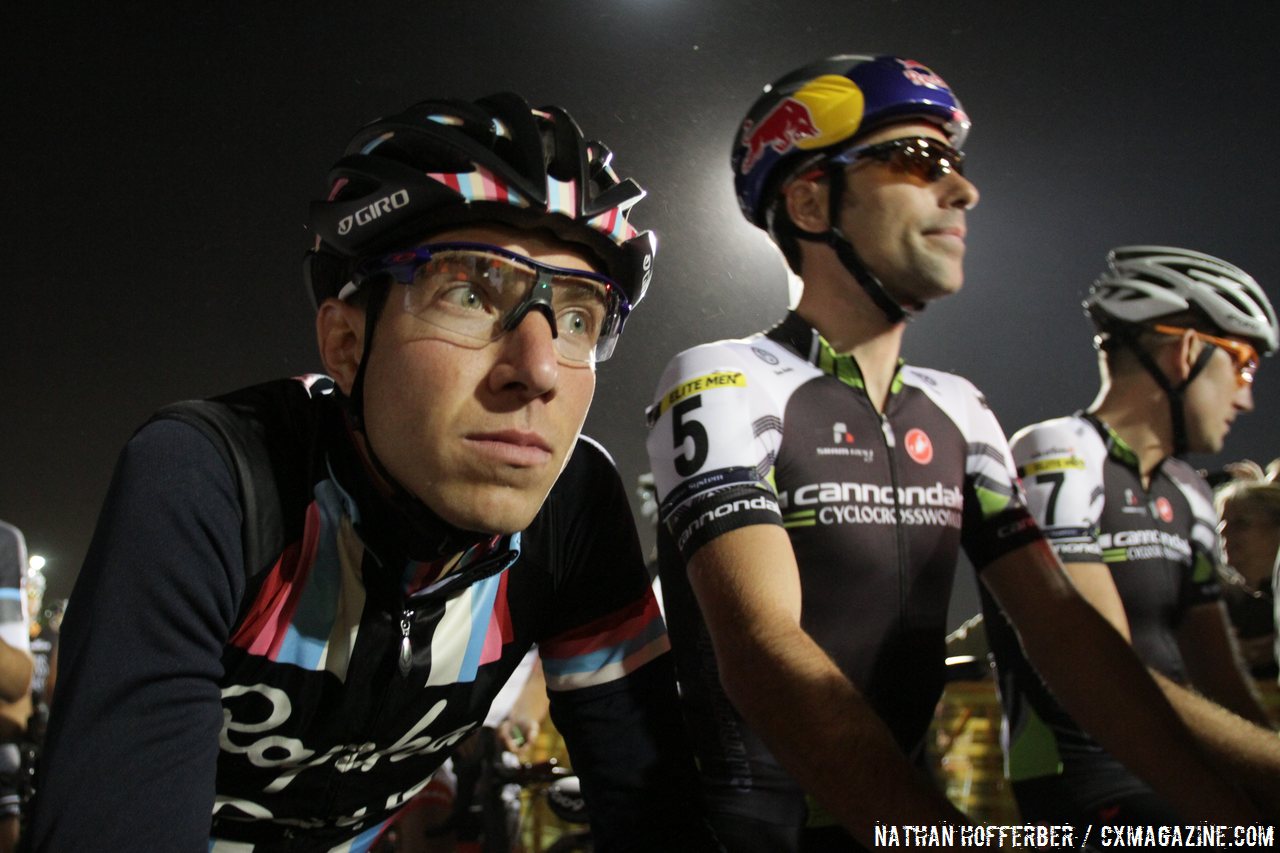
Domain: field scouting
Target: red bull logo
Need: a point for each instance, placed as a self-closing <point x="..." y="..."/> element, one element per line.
<point x="780" y="130"/>
<point x="922" y="75"/>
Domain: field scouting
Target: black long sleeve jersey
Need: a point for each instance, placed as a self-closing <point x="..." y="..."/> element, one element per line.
<point x="206" y="704"/>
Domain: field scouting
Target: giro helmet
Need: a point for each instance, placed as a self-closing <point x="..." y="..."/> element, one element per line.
<point x="447" y="163"/>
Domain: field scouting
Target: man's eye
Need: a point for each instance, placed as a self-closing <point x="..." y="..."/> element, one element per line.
<point x="464" y="295"/>
<point x="580" y="322"/>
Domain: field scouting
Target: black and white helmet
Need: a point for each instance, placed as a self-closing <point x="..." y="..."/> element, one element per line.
<point x="1143" y="284"/>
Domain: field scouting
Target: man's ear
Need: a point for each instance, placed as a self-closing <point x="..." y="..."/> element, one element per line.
<point x="807" y="205"/>
<point x="340" y="336"/>
<point x="1188" y="348"/>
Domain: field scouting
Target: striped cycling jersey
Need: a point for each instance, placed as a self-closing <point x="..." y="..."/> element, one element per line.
<point x="326" y="685"/>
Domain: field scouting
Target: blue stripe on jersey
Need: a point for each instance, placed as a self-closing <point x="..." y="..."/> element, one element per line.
<point x="483" y="595"/>
<point x="600" y="658"/>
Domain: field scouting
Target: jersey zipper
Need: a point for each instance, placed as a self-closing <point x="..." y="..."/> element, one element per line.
<point x="405" y="662"/>
<point x="891" y="442"/>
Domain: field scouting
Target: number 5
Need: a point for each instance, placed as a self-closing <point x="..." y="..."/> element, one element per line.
<point x="681" y="430"/>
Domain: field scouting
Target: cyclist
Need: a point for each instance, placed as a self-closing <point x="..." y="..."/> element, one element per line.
<point x="808" y="466"/>
<point x="1179" y="334"/>
<point x="301" y="596"/>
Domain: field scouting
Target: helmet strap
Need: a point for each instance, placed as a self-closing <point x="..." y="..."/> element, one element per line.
<point x="1174" y="393"/>
<point x="893" y="311"/>
<point x="355" y="402"/>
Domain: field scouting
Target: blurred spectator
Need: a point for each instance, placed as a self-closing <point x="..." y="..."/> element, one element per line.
<point x="15" y="676"/>
<point x="1248" y="505"/>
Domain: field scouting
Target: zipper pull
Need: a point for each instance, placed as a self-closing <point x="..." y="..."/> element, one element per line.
<point x="887" y="429"/>
<point x="406" y="648"/>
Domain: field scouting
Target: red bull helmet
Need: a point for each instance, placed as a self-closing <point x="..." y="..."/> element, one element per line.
<point x="824" y="106"/>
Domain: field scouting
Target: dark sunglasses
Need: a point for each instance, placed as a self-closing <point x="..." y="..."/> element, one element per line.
<point x="924" y="158"/>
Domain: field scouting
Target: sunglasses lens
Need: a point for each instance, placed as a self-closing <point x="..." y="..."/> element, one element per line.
<point x="471" y="294"/>
<point x="921" y="157"/>
<point x="930" y="160"/>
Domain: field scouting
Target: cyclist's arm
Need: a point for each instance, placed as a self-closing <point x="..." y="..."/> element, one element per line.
<point x="1215" y="668"/>
<point x="811" y="716"/>
<point x="130" y="759"/>
<point x="1242" y="751"/>
<point x="1098" y="678"/>
<point x="1095" y="584"/>
<point x="610" y="676"/>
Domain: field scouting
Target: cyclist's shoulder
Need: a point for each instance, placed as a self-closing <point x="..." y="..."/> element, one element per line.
<point x="958" y="399"/>
<point x="590" y="470"/>
<point x="1066" y="435"/>
<point x="758" y="352"/>
<point x="1194" y="487"/>
<point x="949" y="391"/>
<point x="588" y="495"/>
<point x="266" y="408"/>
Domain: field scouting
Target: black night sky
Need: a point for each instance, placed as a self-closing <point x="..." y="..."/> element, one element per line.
<point x="158" y="160"/>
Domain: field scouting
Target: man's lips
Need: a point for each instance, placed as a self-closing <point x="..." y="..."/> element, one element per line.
<point x="954" y="231"/>
<point x="512" y="447"/>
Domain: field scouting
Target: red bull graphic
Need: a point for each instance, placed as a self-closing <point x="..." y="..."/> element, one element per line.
<point x="783" y="126"/>
<point x="922" y="75"/>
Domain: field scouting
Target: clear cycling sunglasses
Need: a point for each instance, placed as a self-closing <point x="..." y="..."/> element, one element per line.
<point x="474" y="293"/>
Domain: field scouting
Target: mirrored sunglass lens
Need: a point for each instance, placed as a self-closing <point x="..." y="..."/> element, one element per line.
<point x="929" y="160"/>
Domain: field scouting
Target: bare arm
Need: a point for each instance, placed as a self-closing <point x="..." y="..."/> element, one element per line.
<point x="1213" y="663"/>
<point x="814" y="720"/>
<point x="1240" y="750"/>
<point x="1076" y="650"/>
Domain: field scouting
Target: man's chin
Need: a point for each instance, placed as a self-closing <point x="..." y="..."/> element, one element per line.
<point x="490" y="508"/>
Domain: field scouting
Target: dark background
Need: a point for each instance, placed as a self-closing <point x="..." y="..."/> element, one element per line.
<point x="157" y="163"/>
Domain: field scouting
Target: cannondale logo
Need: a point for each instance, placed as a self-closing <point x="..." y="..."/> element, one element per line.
<point x="370" y="212"/>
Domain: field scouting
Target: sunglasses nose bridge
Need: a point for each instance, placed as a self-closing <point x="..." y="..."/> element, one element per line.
<point x="538" y="299"/>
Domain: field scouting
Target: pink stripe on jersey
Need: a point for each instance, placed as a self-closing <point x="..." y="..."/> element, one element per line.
<point x="615" y="629"/>
<point x="263" y="629"/>
<point x="499" y="631"/>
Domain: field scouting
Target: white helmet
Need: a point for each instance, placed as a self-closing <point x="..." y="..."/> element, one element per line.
<point x="1145" y="283"/>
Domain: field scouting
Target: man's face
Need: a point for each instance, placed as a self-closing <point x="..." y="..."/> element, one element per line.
<point x="478" y="434"/>
<point x="909" y="232"/>
<point x="1213" y="400"/>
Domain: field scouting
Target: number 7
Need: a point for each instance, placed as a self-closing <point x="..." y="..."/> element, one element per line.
<point x="1055" y="479"/>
